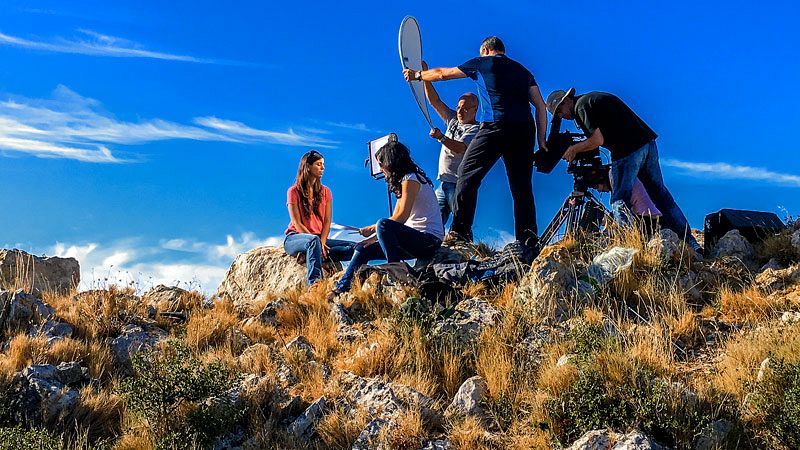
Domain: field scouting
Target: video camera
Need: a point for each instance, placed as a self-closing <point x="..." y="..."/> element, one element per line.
<point x="587" y="168"/>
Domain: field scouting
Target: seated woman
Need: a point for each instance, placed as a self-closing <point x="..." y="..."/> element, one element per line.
<point x="415" y="228"/>
<point x="310" y="206"/>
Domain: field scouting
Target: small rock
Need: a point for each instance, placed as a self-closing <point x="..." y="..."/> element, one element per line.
<point x="771" y="264"/>
<point x="790" y="316"/>
<point x="468" y="321"/>
<point x="668" y="246"/>
<point x="762" y="369"/>
<point x="733" y="244"/>
<point x="165" y="298"/>
<point x="439" y="444"/>
<point x="593" y="440"/>
<point x="301" y="345"/>
<point x="635" y="441"/>
<point x="713" y="436"/>
<point x="795" y="240"/>
<point x="467" y="400"/>
<point x="132" y="340"/>
<point x="566" y="359"/>
<point x="269" y="315"/>
<point x="552" y="286"/>
<point x="305" y="424"/>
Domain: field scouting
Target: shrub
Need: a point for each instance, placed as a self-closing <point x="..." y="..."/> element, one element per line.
<point x="172" y="390"/>
<point x="34" y="439"/>
<point x="599" y="399"/>
<point x="777" y="401"/>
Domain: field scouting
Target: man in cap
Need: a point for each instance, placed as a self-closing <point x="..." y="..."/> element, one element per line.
<point x="610" y="123"/>
<point x="506" y="89"/>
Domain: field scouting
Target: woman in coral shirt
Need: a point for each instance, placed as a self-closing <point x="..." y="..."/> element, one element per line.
<point x="309" y="203"/>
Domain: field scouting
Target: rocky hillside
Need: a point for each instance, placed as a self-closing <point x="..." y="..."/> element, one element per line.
<point x="619" y="341"/>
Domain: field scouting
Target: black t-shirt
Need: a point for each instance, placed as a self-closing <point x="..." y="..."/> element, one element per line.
<point x="623" y="131"/>
<point x="503" y="88"/>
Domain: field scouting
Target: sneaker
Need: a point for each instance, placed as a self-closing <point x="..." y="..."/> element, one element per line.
<point x="335" y="292"/>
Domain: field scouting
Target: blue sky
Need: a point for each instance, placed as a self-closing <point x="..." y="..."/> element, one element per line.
<point x="156" y="140"/>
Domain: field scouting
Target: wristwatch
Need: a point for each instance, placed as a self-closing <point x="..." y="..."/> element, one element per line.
<point x="418" y="75"/>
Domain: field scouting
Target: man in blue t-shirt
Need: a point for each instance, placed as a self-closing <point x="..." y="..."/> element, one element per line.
<point x="506" y="89"/>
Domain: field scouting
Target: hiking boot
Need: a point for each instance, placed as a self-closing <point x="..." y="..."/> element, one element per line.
<point x="453" y="237"/>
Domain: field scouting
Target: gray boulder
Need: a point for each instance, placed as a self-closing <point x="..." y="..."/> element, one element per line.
<point x="301" y="345"/>
<point x="165" y="298"/>
<point x="593" y="440"/>
<point x="468" y="321"/>
<point x="132" y="340"/>
<point x="552" y="287"/>
<point x="795" y="240"/>
<point x="44" y="393"/>
<point x="713" y="436"/>
<point x="305" y="424"/>
<point x="19" y="268"/>
<point x="467" y="400"/>
<point x="21" y="309"/>
<point x="635" y="440"/>
<point x="734" y="245"/>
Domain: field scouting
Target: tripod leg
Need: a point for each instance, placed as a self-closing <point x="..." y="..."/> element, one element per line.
<point x="555" y="224"/>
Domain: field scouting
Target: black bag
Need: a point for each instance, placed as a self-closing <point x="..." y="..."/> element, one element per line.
<point x="753" y="225"/>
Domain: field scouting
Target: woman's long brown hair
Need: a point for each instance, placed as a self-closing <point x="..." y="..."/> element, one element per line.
<point x="308" y="185"/>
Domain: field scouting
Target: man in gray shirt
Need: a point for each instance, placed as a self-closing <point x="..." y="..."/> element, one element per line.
<point x="460" y="128"/>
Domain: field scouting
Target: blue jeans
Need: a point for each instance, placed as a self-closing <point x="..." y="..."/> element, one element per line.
<point x="396" y="242"/>
<point x="446" y="195"/>
<point x="643" y="163"/>
<point x="311" y="245"/>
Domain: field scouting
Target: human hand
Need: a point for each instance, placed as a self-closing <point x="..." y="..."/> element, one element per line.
<point x="436" y="133"/>
<point x="409" y="75"/>
<point x="570" y="154"/>
<point x="367" y="231"/>
<point x="325" y="247"/>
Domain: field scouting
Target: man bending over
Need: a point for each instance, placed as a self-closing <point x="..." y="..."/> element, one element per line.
<point x="610" y="123"/>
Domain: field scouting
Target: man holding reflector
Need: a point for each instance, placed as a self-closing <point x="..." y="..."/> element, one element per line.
<point x="506" y="89"/>
<point x="460" y="129"/>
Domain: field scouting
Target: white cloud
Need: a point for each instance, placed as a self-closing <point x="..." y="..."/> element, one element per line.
<point x="75" y="127"/>
<point x="97" y="44"/>
<point x="728" y="171"/>
<point x="132" y="262"/>
<point x="353" y="126"/>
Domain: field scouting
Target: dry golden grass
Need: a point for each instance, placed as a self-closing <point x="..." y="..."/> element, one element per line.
<point x="749" y="305"/>
<point x="97" y="314"/>
<point x="406" y="434"/>
<point x="469" y="434"/>
<point x="23" y="351"/>
<point x="258" y="332"/>
<point x="495" y="363"/>
<point x="741" y="356"/>
<point x="339" y="428"/>
<point x="98" y="414"/>
<point x="133" y="441"/>
<point x="257" y="360"/>
<point x="211" y="327"/>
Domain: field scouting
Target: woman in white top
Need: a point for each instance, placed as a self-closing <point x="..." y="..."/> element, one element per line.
<point x="415" y="228"/>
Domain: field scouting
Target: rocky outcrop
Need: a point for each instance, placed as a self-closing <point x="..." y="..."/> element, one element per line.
<point x="734" y="245"/>
<point x="132" y="340"/>
<point x="605" y="440"/>
<point x="43" y="273"/>
<point x="165" y="298"/>
<point x="22" y="310"/>
<point x="44" y="393"/>
<point x="552" y="287"/>
<point x="468" y="399"/>
<point x="263" y="271"/>
<point x="468" y="320"/>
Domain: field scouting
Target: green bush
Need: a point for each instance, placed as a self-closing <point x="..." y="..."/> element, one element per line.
<point x="645" y="402"/>
<point x="777" y="400"/>
<point x="174" y="392"/>
<point x="34" y="439"/>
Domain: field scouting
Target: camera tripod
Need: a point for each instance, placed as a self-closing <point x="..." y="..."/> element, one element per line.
<point x="580" y="211"/>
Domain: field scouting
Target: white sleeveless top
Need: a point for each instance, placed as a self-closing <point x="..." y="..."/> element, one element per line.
<point x="425" y="214"/>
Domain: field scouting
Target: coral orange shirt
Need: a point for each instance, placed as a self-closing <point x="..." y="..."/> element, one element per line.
<point x="313" y="222"/>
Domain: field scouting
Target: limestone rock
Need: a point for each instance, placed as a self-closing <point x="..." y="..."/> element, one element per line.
<point x="54" y="330"/>
<point x="382" y="398"/>
<point x="344" y="328"/>
<point x="439" y="444"/>
<point x="569" y="358"/>
<point x="668" y="246"/>
<point x="467" y="400"/>
<point x="635" y="441"/>
<point x="304" y="425"/>
<point x="771" y="280"/>
<point x="43" y="392"/>
<point x="132" y="340"/>
<point x="22" y="309"/>
<point x="40" y="273"/>
<point x="771" y="264"/>
<point x="468" y="321"/>
<point x="552" y="286"/>
<point x="301" y="345"/>
<point x="713" y="436"/>
<point x="795" y="240"/>
<point x="790" y="316"/>
<point x="733" y="244"/>
<point x="269" y="315"/>
<point x="593" y="440"/>
<point x="165" y="298"/>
